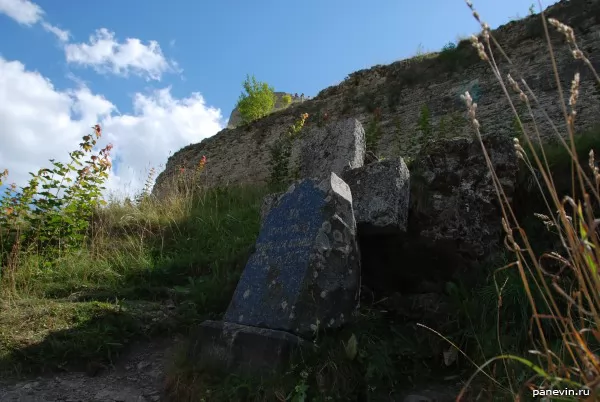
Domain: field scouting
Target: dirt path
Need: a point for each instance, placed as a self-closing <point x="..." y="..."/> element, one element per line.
<point x="136" y="377"/>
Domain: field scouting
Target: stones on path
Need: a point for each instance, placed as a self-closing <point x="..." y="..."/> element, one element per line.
<point x="121" y="383"/>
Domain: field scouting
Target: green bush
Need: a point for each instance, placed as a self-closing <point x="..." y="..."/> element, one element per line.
<point x="373" y="135"/>
<point x="286" y="99"/>
<point x="424" y="123"/>
<point x="257" y="101"/>
<point x="449" y="47"/>
<point x="52" y="212"/>
<point x="452" y="57"/>
<point x="281" y="171"/>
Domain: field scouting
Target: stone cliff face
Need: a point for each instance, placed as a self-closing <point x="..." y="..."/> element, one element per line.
<point x="398" y="92"/>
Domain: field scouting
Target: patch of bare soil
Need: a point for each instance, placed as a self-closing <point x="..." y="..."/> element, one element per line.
<point x="136" y="377"/>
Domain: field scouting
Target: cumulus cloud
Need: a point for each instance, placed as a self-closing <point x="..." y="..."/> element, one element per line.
<point x="28" y="13"/>
<point x="106" y="55"/>
<point x="159" y="125"/>
<point x="24" y="12"/>
<point x="103" y="52"/>
<point x="39" y="122"/>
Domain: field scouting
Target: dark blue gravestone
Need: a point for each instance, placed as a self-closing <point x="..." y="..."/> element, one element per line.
<point x="305" y="272"/>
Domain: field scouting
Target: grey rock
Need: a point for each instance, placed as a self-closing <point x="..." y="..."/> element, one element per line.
<point x="453" y="196"/>
<point x="305" y="271"/>
<point x="332" y="148"/>
<point x="225" y="346"/>
<point x="380" y="195"/>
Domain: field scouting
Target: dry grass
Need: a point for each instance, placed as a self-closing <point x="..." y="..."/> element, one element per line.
<point x="571" y="288"/>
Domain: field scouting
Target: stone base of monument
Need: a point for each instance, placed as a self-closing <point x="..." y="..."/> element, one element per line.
<point x="228" y="347"/>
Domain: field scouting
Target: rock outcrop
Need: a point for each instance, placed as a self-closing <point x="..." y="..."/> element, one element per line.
<point x="396" y="94"/>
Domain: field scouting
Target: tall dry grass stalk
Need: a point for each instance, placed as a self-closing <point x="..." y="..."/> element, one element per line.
<point x="570" y="293"/>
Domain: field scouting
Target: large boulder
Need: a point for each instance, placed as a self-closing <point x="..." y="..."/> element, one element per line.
<point x="380" y="196"/>
<point x="305" y="272"/>
<point x="454" y="218"/>
<point x="332" y="148"/>
<point x="453" y="197"/>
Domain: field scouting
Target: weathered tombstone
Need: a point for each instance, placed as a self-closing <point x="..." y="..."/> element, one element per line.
<point x="380" y="196"/>
<point x="332" y="148"/>
<point x="305" y="272"/>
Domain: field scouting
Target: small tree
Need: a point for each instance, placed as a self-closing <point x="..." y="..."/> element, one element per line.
<point x="286" y="99"/>
<point x="257" y="101"/>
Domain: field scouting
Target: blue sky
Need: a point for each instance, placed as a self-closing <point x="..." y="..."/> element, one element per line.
<point x="159" y="75"/>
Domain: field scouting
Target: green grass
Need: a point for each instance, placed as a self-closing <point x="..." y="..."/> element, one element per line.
<point x="160" y="266"/>
<point x="391" y="357"/>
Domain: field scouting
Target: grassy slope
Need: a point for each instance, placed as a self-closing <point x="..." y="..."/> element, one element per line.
<point x="149" y="269"/>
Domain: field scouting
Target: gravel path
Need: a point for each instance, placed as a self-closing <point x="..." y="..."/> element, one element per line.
<point x="137" y="377"/>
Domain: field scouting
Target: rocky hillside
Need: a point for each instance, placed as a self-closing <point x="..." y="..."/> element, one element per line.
<point x="398" y="94"/>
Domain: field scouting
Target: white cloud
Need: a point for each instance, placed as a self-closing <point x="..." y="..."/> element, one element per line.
<point x="28" y="13"/>
<point x="39" y="122"/>
<point x="24" y="12"/>
<point x="160" y="124"/>
<point x="62" y="35"/>
<point x="105" y="54"/>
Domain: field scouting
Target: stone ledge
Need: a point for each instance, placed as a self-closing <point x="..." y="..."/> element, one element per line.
<point x="225" y="346"/>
